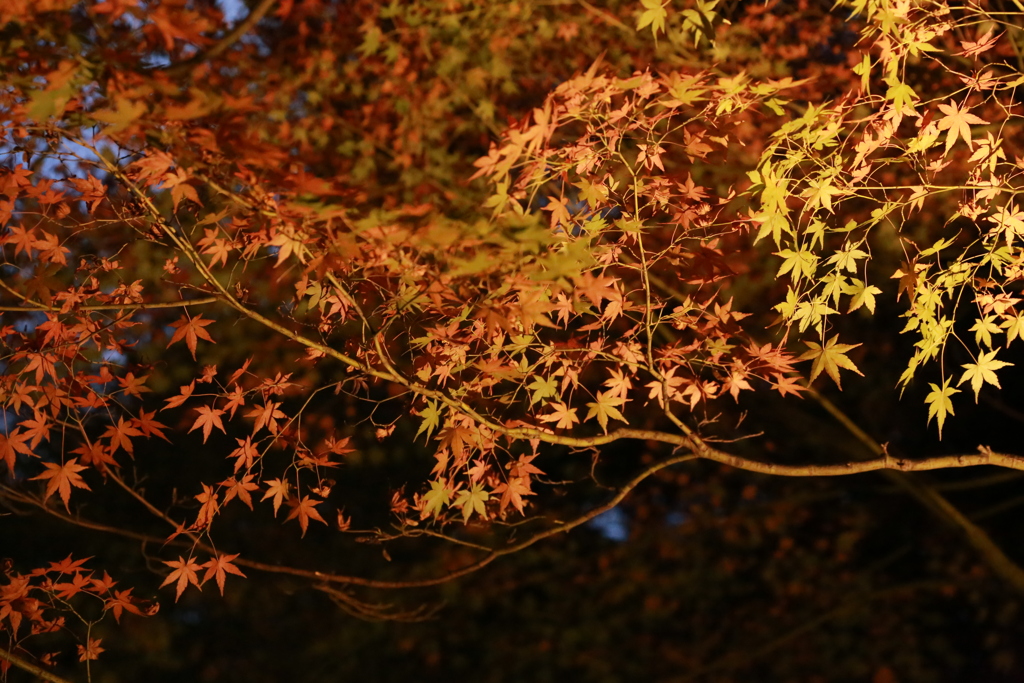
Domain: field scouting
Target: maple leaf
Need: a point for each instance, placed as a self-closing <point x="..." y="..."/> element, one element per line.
<point x="186" y="393"/>
<point x="148" y="425"/>
<point x="983" y="330"/>
<point x="103" y="585"/>
<point x="305" y="510"/>
<point x="245" y="454"/>
<point x="124" y="601"/>
<point x="983" y="371"/>
<point x="605" y="407"/>
<point x="191" y="330"/>
<point x="473" y="500"/>
<point x="66" y="591"/>
<point x="957" y="121"/>
<point x="132" y="385"/>
<point x="654" y="15"/>
<point x="863" y="295"/>
<point x="209" y="507"/>
<point x="512" y="493"/>
<point x="219" y="567"/>
<point x="267" y="416"/>
<point x="435" y="499"/>
<point x="563" y="415"/>
<point x="68" y="565"/>
<point x="119" y="436"/>
<point x="939" y="403"/>
<point x="240" y="489"/>
<point x="91" y="650"/>
<point x="542" y="387"/>
<point x="278" y="488"/>
<point x="236" y="399"/>
<point x="208" y="419"/>
<point x="830" y="358"/>
<point x="431" y="417"/>
<point x="597" y="289"/>
<point x="184" y="573"/>
<point x="11" y="444"/>
<point x="983" y="44"/>
<point x="62" y="478"/>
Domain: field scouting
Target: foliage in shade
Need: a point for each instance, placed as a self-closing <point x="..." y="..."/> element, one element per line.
<point x="235" y="259"/>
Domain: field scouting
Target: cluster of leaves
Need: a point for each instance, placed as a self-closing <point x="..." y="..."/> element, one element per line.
<point x="875" y="164"/>
<point x="39" y="603"/>
<point x="298" y="211"/>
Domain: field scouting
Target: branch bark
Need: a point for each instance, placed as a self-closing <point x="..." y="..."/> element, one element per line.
<point x="31" y="668"/>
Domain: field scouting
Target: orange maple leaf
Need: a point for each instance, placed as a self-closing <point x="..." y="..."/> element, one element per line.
<point x="278" y="488"/>
<point x="125" y="601"/>
<point x="564" y="416"/>
<point x="184" y="573"/>
<point x="240" y="489"/>
<point x="219" y="567"/>
<point x="62" y="478"/>
<point x="118" y="435"/>
<point x="305" y="510"/>
<point x="267" y="415"/>
<point x="186" y="392"/>
<point x="91" y="650"/>
<point x="12" y="444"/>
<point x="208" y="419"/>
<point x="513" y="493"/>
<point x="191" y="330"/>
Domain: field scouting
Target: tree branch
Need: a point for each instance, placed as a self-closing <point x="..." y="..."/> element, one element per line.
<point x="233" y="36"/>
<point x="31" y="668"/>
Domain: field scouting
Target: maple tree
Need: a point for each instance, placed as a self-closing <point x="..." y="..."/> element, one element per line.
<point x="373" y="225"/>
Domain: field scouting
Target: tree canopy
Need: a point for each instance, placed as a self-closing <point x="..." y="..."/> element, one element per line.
<point x="339" y="309"/>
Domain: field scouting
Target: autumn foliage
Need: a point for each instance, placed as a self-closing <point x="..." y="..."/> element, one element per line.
<point x="507" y="232"/>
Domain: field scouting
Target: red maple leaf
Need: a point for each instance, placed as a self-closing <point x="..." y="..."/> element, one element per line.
<point x="125" y="601"/>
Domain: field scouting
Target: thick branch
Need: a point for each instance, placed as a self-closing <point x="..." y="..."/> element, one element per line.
<point x="244" y="26"/>
<point x="31" y="668"/>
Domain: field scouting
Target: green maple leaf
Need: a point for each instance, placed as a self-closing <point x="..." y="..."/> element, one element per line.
<point x="542" y="388"/>
<point x="436" y="498"/>
<point x="984" y="329"/>
<point x="939" y="404"/>
<point x="431" y="416"/>
<point x="654" y="16"/>
<point x="801" y="263"/>
<point x="830" y="358"/>
<point x="473" y="500"/>
<point x="863" y="295"/>
<point x="1014" y="328"/>
<point x="982" y="371"/>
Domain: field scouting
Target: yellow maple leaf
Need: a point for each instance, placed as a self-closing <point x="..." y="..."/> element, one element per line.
<point x="830" y="358"/>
